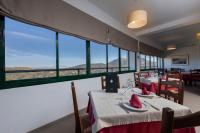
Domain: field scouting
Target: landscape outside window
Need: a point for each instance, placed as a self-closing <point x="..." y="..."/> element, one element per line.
<point x="72" y="55"/>
<point x="113" y="59"/>
<point x="124" y="60"/>
<point x="147" y="62"/>
<point x="98" y="57"/>
<point x="132" y="60"/>
<point x="142" y="61"/>
<point x="29" y="51"/>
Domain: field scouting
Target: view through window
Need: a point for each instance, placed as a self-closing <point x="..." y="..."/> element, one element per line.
<point x="72" y="55"/>
<point x="113" y="59"/>
<point x="29" y="51"/>
<point x="98" y="57"/>
<point x="124" y="60"/>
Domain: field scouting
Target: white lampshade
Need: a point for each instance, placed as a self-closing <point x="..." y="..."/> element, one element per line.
<point x="137" y="19"/>
<point x="198" y="35"/>
<point x="171" y="47"/>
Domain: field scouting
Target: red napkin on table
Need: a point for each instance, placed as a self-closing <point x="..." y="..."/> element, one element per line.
<point x="135" y="102"/>
<point x="153" y="87"/>
<point x="145" y="92"/>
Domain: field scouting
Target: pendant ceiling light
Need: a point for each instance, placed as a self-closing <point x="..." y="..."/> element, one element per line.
<point x="198" y="36"/>
<point x="137" y="19"/>
<point x="171" y="47"/>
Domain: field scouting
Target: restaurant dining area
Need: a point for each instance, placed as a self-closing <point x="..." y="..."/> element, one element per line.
<point x="99" y="66"/>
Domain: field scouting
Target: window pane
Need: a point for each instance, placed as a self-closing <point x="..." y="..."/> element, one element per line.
<point x="132" y="60"/>
<point x="124" y="60"/>
<point x="113" y="61"/>
<point x="154" y="62"/>
<point x="72" y="58"/>
<point x="142" y="61"/>
<point x="30" y="51"/>
<point x="98" y="57"/>
<point x="159" y="62"/>
<point x="147" y="62"/>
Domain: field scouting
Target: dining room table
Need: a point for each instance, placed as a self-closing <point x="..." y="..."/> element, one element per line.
<point x="112" y="113"/>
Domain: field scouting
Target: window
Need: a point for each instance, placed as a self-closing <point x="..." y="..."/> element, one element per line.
<point x="132" y="60"/>
<point x="30" y="51"/>
<point x="148" y="62"/>
<point x="72" y="55"/>
<point x="159" y="62"/>
<point x="142" y="61"/>
<point x="113" y="58"/>
<point x="153" y="62"/>
<point x="98" y="57"/>
<point x="124" y="60"/>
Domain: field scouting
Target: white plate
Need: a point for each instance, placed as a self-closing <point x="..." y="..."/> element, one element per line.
<point x="145" y="107"/>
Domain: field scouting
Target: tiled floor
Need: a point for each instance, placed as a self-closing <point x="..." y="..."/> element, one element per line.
<point x="66" y="125"/>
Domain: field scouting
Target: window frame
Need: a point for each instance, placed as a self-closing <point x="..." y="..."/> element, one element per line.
<point x="38" y="81"/>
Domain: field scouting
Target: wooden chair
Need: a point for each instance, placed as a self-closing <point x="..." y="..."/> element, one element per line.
<point x="174" y="76"/>
<point x="177" y="93"/>
<point x="82" y="122"/>
<point x="103" y="82"/>
<point x="169" y="122"/>
<point x="137" y="79"/>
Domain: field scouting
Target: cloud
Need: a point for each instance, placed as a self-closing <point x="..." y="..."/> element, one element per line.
<point x="26" y="35"/>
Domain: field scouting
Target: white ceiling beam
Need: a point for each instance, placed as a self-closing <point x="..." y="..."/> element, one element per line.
<point x="194" y="19"/>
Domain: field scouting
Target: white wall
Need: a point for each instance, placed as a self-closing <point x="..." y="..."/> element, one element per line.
<point x="194" y="57"/>
<point x="26" y="108"/>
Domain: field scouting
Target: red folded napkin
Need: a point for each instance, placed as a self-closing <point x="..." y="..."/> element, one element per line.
<point x="145" y="92"/>
<point x="153" y="87"/>
<point x="135" y="102"/>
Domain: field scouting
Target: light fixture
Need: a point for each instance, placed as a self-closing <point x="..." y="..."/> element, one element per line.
<point x="137" y="19"/>
<point x="171" y="47"/>
<point x="198" y="35"/>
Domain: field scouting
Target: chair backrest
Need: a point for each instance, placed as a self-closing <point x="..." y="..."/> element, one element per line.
<point x="103" y="82"/>
<point x="144" y="74"/>
<point x="79" y="127"/>
<point x="172" y="84"/>
<point x="169" y="122"/>
<point x="175" y="76"/>
<point x="137" y="78"/>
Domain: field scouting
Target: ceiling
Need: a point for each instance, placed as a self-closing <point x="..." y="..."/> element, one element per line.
<point x="169" y="21"/>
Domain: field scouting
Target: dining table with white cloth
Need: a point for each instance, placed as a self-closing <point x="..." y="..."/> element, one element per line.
<point x="108" y="112"/>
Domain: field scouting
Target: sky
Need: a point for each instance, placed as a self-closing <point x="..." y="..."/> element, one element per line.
<point x="32" y="46"/>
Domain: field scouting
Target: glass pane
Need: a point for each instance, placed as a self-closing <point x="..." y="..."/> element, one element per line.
<point x="72" y="58"/>
<point x="159" y="62"/>
<point x="124" y="60"/>
<point x="147" y="62"/>
<point x="154" y="62"/>
<point x="142" y="61"/>
<point x="113" y="61"/>
<point x="132" y="60"/>
<point x="98" y="57"/>
<point x="30" y="51"/>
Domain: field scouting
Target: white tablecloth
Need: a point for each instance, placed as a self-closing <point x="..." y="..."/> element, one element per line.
<point x="107" y="112"/>
<point x="149" y="80"/>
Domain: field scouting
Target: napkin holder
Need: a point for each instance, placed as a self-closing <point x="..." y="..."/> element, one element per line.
<point x="111" y="83"/>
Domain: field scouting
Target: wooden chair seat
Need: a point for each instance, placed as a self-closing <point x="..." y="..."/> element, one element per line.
<point x="85" y="120"/>
<point x="82" y="121"/>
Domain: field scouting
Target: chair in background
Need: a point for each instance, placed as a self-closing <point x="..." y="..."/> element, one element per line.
<point x="177" y="93"/>
<point x="174" y="76"/>
<point x="103" y="82"/>
<point x="195" y="74"/>
<point x="169" y="122"/>
<point x="82" y="122"/>
<point x="137" y="79"/>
